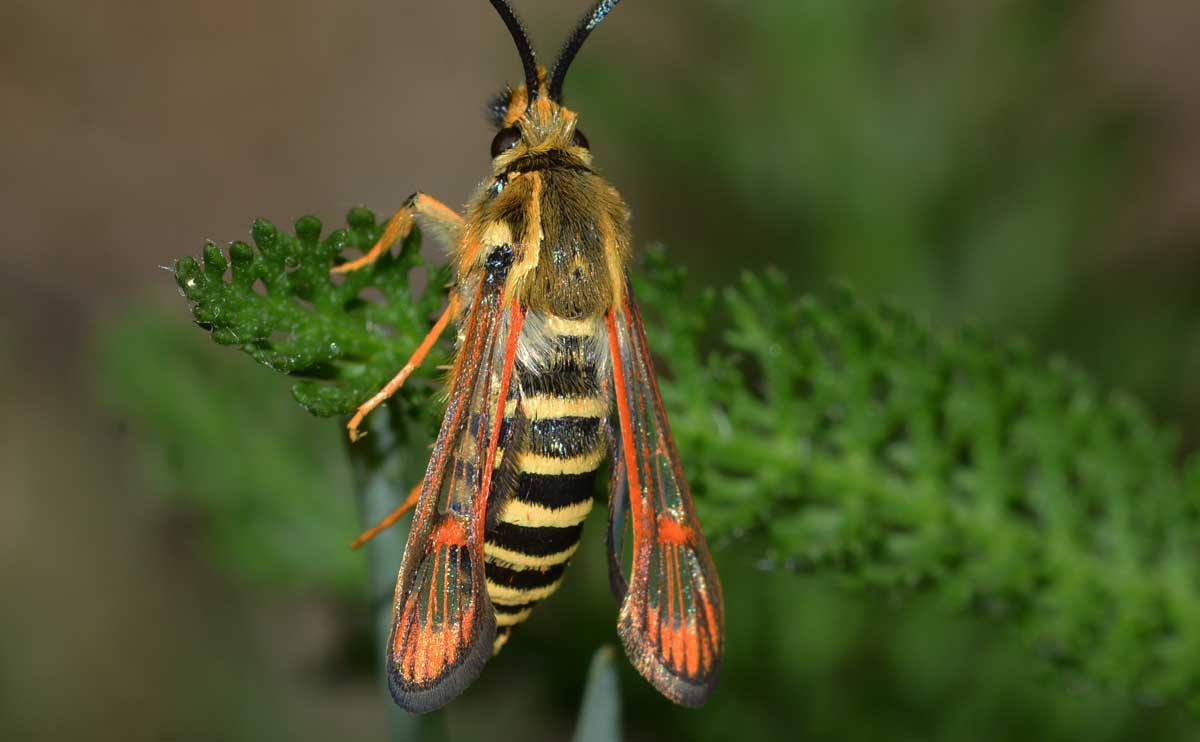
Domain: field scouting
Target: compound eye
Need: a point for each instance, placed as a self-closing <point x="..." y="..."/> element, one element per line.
<point x="504" y="140"/>
<point x="579" y="140"/>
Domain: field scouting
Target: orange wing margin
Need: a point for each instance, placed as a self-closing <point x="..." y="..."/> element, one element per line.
<point x="672" y="615"/>
<point x="442" y="622"/>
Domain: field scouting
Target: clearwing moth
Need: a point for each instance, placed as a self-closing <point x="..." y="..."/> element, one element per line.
<point x="551" y="376"/>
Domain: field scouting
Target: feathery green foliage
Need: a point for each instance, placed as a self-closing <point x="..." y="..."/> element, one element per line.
<point x="846" y="436"/>
<point x="310" y="324"/>
<point x="858" y="442"/>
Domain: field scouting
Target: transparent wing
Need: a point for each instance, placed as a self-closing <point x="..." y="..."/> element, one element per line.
<point x="442" y="624"/>
<point x="672" y="619"/>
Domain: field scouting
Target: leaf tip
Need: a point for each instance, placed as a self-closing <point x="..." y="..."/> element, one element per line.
<point x="308" y="228"/>
<point x="263" y="232"/>
<point x="360" y="217"/>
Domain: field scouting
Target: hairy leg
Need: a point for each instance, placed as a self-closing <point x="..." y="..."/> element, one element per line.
<point x="443" y="219"/>
<point x="390" y="519"/>
<point x="414" y="362"/>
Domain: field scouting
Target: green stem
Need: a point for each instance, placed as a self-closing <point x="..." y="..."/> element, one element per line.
<point x="600" y="714"/>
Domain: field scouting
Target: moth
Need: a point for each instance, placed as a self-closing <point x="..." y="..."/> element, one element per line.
<point x="551" y="377"/>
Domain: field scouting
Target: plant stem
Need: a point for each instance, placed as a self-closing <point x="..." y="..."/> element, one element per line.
<point x="600" y="714"/>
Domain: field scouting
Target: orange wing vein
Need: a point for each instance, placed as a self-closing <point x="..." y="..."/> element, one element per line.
<point x="442" y="622"/>
<point x="672" y="617"/>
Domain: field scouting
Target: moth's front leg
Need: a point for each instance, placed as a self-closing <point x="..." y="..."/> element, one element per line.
<point x="442" y="220"/>
<point x="446" y="224"/>
<point x="414" y="362"/>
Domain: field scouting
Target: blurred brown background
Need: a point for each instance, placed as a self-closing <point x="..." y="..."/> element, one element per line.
<point x="134" y="131"/>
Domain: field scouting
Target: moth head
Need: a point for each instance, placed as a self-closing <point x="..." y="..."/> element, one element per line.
<point x="531" y="119"/>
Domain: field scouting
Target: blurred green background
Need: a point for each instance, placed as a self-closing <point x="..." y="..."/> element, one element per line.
<point x="1033" y="166"/>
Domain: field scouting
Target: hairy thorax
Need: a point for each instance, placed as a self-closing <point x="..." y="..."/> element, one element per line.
<point x="568" y="231"/>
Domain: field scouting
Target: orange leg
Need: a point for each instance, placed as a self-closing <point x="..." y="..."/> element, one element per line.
<point x="397" y="381"/>
<point x="390" y="519"/>
<point x="441" y="218"/>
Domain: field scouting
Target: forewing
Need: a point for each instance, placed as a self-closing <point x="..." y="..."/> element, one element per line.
<point x="443" y="625"/>
<point x="672" y="619"/>
<point x="618" y="505"/>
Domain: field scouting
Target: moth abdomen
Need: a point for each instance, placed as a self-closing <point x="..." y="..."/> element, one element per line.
<point x="563" y="442"/>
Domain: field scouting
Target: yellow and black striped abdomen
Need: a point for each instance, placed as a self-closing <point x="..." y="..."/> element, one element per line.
<point x="563" y="441"/>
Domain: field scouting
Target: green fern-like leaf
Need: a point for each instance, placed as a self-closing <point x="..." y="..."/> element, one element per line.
<point x="307" y="323"/>
<point x="853" y="439"/>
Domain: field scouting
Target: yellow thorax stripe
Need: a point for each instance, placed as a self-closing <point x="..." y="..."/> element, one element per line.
<point x="518" y="561"/>
<point x="520" y="513"/>
<point x="576" y="327"/>
<point x="496" y="233"/>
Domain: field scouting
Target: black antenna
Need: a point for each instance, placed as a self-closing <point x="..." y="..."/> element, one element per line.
<point x="590" y="21"/>
<point x="524" y="48"/>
